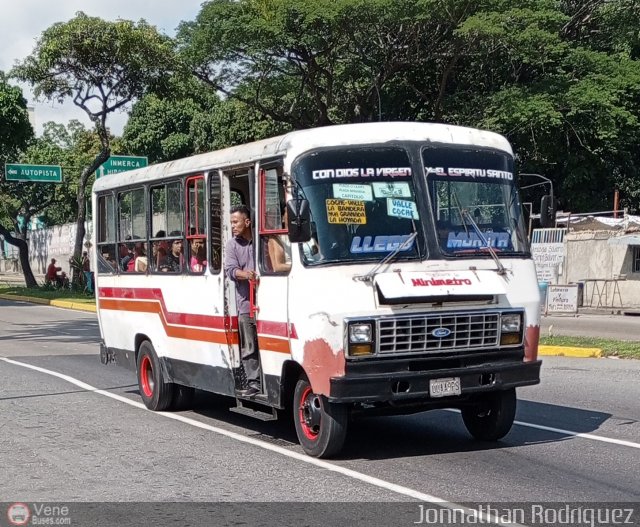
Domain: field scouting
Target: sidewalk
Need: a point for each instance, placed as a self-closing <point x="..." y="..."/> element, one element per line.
<point x="17" y="280"/>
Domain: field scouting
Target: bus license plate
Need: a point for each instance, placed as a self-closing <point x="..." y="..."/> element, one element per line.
<point x="444" y="387"/>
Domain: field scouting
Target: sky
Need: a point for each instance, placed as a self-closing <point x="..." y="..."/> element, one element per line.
<point x="23" y="21"/>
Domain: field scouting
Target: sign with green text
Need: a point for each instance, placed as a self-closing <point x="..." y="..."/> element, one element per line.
<point x="116" y="164"/>
<point x="33" y="173"/>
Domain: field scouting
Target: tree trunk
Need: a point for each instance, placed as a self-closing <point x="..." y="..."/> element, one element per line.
<point x="80" y="230"/>
<point x="23" y="248"/>
<point x="82" y="206"/>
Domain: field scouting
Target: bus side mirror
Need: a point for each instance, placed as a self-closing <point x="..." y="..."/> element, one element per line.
<point x="298" y="220"/>
<point x="547" y="211"/>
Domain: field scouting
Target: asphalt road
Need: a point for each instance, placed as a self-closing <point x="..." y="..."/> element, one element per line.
<point x="86" y="438"/>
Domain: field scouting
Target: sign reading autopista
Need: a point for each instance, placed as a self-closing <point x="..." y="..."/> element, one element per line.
<point x="33" y="173"/>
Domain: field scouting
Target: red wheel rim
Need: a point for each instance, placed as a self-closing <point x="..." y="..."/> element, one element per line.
<point x="310" y="414"/>
<point x="146" y="377"/>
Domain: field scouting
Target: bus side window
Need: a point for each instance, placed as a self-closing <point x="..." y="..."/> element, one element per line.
<point x="132" y="230"/>
<point x="215" y="222"/>
<point x="166" y="228"/>
<point x="195" y="224"/>
<point x="275" y="248"/>
<point x="106" y="236"/>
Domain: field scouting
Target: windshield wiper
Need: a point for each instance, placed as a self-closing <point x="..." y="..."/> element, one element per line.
<point x="407" y="243"/>
<point x="501" y="269"/>
<point x="464" y="212"/>
<point x="461" y="211"/>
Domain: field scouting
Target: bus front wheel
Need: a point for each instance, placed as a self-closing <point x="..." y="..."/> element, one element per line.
<point x="155" y="392"/>
<point x="321" y="426"/>
<point x="492" y="416"/>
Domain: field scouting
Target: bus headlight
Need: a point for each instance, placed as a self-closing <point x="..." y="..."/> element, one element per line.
<point x="360" y="339"/>
<point x="510" y="328"/>
<point x="359" y="333"/>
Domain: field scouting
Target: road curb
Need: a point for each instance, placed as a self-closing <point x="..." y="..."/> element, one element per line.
<point x="67" y="304"/>
<point x="78" y="306"/>
<point x="569" y="351"/>
<point x="21" y="298"/>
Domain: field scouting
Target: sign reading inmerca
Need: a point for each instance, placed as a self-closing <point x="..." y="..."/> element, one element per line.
<point x="33" y="173"/>
<point x="116" y="164"/>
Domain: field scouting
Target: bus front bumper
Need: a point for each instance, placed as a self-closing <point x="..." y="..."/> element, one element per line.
<point x="400" y="386"/>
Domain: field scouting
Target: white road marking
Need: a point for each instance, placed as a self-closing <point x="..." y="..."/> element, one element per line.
<point x="376" y="482"/>
<point x="570" y="433"/>
<point x="593" y="437"/>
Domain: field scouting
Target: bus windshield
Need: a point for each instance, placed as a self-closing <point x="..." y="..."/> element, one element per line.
<point x="363" y="204"/>
<point x="475" y="201"/>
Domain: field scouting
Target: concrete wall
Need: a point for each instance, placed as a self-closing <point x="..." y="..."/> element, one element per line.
<point x="589" y="256"/>
<point x="53" y="242"/>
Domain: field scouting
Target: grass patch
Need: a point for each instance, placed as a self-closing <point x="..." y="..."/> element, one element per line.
<point x="624" y="349"/>
<point x="47" y="293"/>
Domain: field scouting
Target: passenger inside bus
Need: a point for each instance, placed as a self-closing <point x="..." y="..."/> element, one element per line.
<point x="140" y="262"/>
<point x="198" y="260"/>
<point x="279" y="248"/>
<point x="159" y="252"/>
<point x="174" y="258"/>
<point x="126" y="255"/>
<point x="160" y="257"/>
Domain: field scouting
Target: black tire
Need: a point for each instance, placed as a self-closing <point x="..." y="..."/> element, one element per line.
<point x="155" y="392"/>
<point x="492" y="417"/>
<point x="321" y="426"/>
<point x="182" y="397"/>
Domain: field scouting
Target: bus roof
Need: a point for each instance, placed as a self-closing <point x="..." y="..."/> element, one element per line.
<point x="295" y="143"/>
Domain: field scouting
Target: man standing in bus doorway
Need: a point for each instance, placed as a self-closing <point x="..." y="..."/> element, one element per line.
<point x="239" y="267"/>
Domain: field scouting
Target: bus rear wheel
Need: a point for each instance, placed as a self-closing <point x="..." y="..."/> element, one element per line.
<point x="493" y="415"/>
<point x="321" y="426"/>
<point x="155" y="392"/>
<point x="182" y="397"/>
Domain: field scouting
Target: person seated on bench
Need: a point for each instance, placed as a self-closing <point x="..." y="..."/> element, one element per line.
<point x="52" y="276"/>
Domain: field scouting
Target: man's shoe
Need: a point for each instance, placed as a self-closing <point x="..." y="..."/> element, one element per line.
<point x="249" y="392"/>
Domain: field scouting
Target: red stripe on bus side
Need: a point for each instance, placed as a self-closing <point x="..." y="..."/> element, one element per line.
<point x="271" y="344"/>
<point x="184" y="319"/>
<point x="179" y="332"/>
<point x="208" y="328"/>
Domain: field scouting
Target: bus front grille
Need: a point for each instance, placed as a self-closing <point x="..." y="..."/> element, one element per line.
<point x="438" y="333"/>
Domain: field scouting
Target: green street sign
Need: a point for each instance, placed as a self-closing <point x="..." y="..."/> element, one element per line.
<point x="33" y="173"/>
<point x="116" y="164"/>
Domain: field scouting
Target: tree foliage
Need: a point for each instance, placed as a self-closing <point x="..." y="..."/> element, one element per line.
<point x="102" y="66"/>
<point x="559" y="78"/>
<point x="189" y="119"/>
<point x="16" y="199"/>
<point x="570" y="108"/>
<point x="306" y="63"/>
<point x="164" y="126"/>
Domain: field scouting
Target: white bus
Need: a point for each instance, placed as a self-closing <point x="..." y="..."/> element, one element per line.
<point x="411" y="284"/>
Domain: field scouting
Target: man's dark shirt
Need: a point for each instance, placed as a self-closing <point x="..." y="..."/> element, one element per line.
<point x="239" y="257"/>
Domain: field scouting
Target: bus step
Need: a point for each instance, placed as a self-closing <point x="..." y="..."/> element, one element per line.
<point x="257" y="414"/>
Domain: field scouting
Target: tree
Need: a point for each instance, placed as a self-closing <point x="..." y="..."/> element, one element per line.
<point x="569" y="105"/>
<point x="160" y="125"/>
<point x="312" y="63"/>
<point x="559" y="79"/>
<point x="232" y="123"/>
<point x="73" y="147"/>
<point x="102" y="66"/>
<point x="16" y="198"/>
<point x="188" y="121"/>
